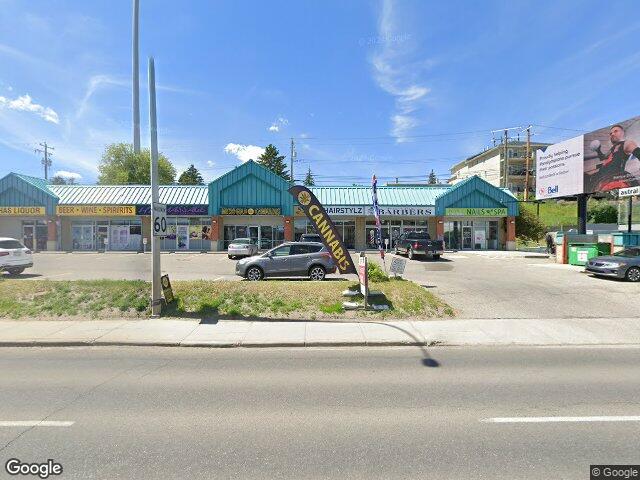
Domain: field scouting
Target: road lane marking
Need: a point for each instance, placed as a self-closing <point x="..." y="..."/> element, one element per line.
<point x="622" y="418"/>
<point x="219" y="278"/>
<point x="35" y="423"/>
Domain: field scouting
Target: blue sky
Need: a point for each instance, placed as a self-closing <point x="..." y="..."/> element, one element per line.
<point x="395" y="88"/>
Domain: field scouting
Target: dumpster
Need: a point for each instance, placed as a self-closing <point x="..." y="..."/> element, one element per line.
<point x="581" y="253"/>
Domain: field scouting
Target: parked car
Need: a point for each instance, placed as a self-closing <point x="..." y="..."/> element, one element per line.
<point x="418" y="243"/>
<point x="624" y="264"/>
<point x="14" y="256"/>
<point x="292" y="259"/>
<point x="242" y="247"/>
<point x="310" y="237"/>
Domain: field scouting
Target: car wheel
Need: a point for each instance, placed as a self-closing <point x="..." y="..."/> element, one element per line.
<point x="230" y="256"/>
<point x="410" y="254"/>
<point x="317" y="273"/>
<point x="15" y="271"/>
<point x="436" y="257"/>
<point x="396" y="252"/>
<point x="255" y="274"/>
<point x="633" y="274"/>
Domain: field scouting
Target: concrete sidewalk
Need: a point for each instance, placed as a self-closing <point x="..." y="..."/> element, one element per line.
<point x="238" y="333"/>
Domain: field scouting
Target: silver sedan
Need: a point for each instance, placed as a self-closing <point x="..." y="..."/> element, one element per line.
<point x="242" y="247"/>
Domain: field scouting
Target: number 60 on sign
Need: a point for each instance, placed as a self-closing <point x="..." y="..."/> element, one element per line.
<point x="159" y="220"/>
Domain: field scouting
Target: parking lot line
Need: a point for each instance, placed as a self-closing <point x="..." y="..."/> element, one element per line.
<point x="35" y="423"/>
<point x="619" y="418"/>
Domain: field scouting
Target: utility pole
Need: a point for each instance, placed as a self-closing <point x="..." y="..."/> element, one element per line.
<point x="46" y="158"/>
<point x="526" y="178"/>
<point x="135" y="80"/>
<point x="156" y="299"/>
<point x="293" y="156"/>
<point x="506" y="161"/>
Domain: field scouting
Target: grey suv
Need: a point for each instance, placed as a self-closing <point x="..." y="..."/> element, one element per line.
<point x="293" y="259"/>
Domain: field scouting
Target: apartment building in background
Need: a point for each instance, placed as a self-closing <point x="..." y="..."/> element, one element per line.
<point x="492" y="166"/>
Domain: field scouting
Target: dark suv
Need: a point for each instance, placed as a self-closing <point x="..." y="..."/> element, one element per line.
<point x="310" y="237"/>
<point x="419" y="243"/>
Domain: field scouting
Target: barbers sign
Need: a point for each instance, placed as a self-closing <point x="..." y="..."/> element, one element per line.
<point x="331" y="239"/>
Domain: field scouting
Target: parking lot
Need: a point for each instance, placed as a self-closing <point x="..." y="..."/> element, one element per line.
<point x="477" y="284"/>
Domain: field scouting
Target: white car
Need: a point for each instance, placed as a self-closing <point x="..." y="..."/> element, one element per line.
<point x="242" y="247"/>
<point x="14" y="256"/>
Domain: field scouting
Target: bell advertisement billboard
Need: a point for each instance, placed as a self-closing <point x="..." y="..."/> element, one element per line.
<point x="599" y="161"/>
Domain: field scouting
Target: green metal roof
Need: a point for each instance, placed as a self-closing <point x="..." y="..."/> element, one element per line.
<point x="130" y="194"/>
<point x="39" y="183"/>
<point x="387" y="196"/>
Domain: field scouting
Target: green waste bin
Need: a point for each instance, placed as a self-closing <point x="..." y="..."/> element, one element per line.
<point x="581" y="253"/>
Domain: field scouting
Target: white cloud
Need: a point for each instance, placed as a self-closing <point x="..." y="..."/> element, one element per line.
<point x="68" y="175"/>
<point x="398" y="76"/>
<point x="211" y="163"/>
<point x="278" y="123"/>
<point x="25" y="103"/>
<point x="244" y="152"/>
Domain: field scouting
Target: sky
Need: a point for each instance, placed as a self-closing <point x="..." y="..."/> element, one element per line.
<point x="394" y="88"/>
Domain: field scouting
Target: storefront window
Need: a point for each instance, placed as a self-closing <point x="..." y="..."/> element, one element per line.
<point x="452" y="235"/>
<point x="347" y="230"/>
<point x="35" y="234"/>
<point x="265" y="236"/>
<point x="188" y="233"/>
<point x="372" y="235"/>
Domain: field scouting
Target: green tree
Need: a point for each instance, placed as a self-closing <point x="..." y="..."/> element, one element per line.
<point x="433" y="180"/>
<point x="120" y="165"/>
<point x="309" y="181"/>
<point x="272" y="160"/>
<point x="58" y="180"/>
<point x="191" y="176"/>
<point x="602" y="212"/>
<point x="529" y="227"/>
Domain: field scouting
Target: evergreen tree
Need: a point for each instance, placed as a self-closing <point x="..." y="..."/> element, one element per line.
<point x="272" y="160"/>
<point x="433" y="180"/>
<point x="309" y="181"/>
<point x="191" y="176"/>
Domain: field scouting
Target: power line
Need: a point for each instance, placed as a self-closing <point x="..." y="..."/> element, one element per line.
<point x="46" y="157"/>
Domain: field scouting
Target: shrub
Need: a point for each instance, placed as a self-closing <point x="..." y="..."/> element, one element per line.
<point x="375" y="273"/>
<point x="529" y="227"/>
<point x="603" y="212"/>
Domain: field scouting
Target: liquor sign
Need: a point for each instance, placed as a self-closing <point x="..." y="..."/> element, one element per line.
<point x="22" y="211"/>
<point x="475" y="212"/>
<point x="96" y="210"/>
<point x="330" y="236"/>
<point x="250" y="211"/>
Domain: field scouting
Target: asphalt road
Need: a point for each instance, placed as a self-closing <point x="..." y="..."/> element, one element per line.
<point x="319" y="413"/>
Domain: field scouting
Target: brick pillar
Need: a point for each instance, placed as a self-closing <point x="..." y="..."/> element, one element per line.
<point x="439" y="228"/>
<point x="511" y="233"/>
<point x="360" y="240"/>
<point x="52" y="234"/>
<point x="216" y="237"/>
<point x="288" y="229"/>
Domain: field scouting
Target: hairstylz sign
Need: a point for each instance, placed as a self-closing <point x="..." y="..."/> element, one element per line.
<point x="331" y="239"/>
<point x="599" y="161"/>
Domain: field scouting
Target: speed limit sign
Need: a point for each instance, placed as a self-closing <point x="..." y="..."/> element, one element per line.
<point x="159" y="220"/>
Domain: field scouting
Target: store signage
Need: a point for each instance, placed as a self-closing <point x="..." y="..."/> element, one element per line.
<point x="167" y="291"/>
<point x="331" y="239"/>
<point x="250" y="211"/>
<point x="367" y="211"/>
<point x="629" y="192"/>
<point x="398" y="265"/>
<point x="22" y="211"/>
<point x="96" y="210"/>
<point x="159" y="220"/>
<point x="475" y="212"/>
<point x="363" y="276"/>
<point x="177" y="210"/>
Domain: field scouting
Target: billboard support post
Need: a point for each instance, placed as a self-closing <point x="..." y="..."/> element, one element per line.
<point x="629" y="222"/>
<point x="582" y="213"/>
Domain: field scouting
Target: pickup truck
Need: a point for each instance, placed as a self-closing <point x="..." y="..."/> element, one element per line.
<point x="418" y="243"/>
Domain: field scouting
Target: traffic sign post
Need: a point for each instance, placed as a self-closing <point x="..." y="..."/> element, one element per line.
<point x="159" y="220"/>
<point x="156" y="293"/>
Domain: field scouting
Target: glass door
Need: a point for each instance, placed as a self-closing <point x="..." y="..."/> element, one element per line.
<point x="266" y="238"/>
<point x="254" y="234"/>
<point x="102" y="234"/>
<point x="28" y="236"/>
<point x="467" y="238"/>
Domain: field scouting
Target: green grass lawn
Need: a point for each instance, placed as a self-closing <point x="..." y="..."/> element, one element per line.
<point x="269" y="299"/>
<point x="560" y="213"/>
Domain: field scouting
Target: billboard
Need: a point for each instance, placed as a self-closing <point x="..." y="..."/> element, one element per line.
<point x="599" y="161"/>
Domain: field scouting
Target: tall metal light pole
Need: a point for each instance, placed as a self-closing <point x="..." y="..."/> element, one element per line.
<point x="135" y="80"/>
<point x="156" y="297"/>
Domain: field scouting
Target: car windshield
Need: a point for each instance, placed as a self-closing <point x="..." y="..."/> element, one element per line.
<point x="243" y="241"/>
<point x="628" y="253"/>
<point x="10" y="244"/>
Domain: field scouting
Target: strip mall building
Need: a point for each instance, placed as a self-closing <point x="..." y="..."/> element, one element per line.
<point x="248" y="201"/>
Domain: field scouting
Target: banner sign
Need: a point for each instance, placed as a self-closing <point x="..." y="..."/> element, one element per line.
<point x="177" y="210"/>
<point x="629" y="192"/>
<point x="475" y="212"/>
<point x="363" y="276"/>
<point x="331" y="239"/>
<point x="96" y="210"/>
<point x="167" y="291"/>
<point x="376" y="214"/>
<point x="250" y="211"/>
<point x="367" y="211"/>
<point x="22" y="211"/>
<point x="599" y="161"/>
